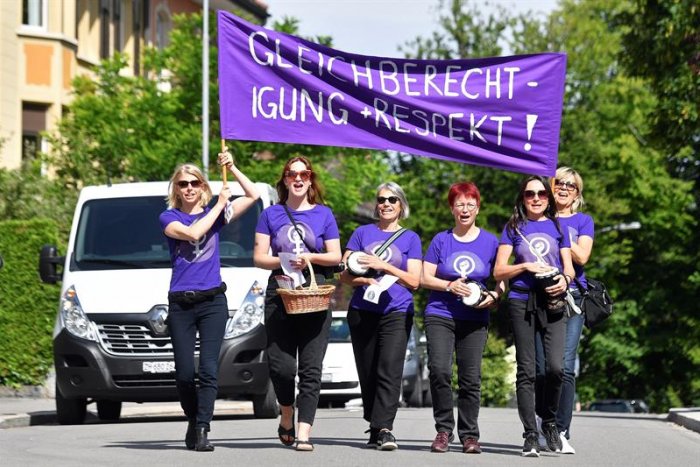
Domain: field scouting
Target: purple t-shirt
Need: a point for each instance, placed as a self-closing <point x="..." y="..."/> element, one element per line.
<point x="397" y="298"/>
<point x="196" y="265"/>
<point x="545" y="239"/>
<point x="316" y="225"/>
<point x="456" y="259"/>
<point x="578" y="225"/>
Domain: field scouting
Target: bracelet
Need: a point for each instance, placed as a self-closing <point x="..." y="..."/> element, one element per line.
<point x="449" y="287"/>
<point x="494" y="295"/>
<point x="567" y="279"/>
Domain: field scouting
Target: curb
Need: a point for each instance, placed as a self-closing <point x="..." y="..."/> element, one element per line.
<point x="681" y="417"/>
<point x="28" y="419"/>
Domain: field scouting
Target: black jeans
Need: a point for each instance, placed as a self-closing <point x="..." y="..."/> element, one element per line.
<point x="574" y="327"/>
<point x="305" y="334"/>
<point x="379" y="344"/>
<point x="467" y="339"/>
<point x="209" y="318"/>
<point x="525" y="325"/>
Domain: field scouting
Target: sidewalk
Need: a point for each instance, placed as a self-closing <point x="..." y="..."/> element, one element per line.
<point x="28" y="411"/>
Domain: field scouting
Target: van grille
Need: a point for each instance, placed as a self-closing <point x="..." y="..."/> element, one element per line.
<point x="135" y="339"/>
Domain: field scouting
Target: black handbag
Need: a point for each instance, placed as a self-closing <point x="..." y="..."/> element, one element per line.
<point x="596" y="304"/>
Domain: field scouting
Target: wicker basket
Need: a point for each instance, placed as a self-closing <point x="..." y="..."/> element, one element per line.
<point x="307" y="299"/>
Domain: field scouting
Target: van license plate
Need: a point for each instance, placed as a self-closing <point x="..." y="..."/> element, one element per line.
<point x="158" y="367"/>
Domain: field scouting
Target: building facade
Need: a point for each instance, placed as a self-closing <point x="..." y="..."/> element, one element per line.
<point x="44" y="44"/>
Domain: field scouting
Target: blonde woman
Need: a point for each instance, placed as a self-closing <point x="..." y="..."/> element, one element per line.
<point x="568" y="194"/>
<point x="196" y="296"/>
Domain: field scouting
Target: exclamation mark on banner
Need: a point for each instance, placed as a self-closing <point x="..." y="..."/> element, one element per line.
<point x="531" y="120"/>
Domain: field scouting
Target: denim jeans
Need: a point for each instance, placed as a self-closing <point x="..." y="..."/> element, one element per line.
<point x="467" y="339"/>
<point x="305" y="335"/>
<point x="574" y="327"/>
<point x="209" y="318"/>
<point x="379" y="344"/>
<point x="526" y="329"/>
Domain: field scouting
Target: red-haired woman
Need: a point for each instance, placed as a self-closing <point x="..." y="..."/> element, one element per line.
<point x="456" y="268"/>
<point x="314" y="239"/>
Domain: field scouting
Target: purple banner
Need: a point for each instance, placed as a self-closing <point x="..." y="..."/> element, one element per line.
<point x="500" y="112"/>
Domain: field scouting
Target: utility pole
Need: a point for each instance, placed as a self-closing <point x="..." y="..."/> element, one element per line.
<point x="205" y="88"/>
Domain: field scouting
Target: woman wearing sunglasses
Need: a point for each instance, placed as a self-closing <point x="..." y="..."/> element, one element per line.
<point x="456" y="268"/>
<point x="197" y="303"/>
<point x="303" y="226"/>
<point x="536" y="310"/>
<point x="380" y="314"/>
<point x="568" y="193"/>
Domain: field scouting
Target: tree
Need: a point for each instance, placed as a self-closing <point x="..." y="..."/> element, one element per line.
<point x="604" y="133"/>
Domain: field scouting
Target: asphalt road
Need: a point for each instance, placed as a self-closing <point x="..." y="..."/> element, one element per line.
<point x="600" y="439"/>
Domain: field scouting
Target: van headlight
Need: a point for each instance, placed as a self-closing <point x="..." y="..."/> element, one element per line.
<point x="249" y="315"/>
<point x="74" y="318"/>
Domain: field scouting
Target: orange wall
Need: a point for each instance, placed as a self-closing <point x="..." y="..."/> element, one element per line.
<point x="38" y="59"/>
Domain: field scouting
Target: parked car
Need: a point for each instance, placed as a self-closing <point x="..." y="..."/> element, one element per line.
<point x="339" y="380"/>
<point x="110" y="342"/>
<point x="619" y="405"/>
<point x="415" y="385"/>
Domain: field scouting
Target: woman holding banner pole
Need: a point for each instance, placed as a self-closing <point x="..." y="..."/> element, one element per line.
<point x="386" y="272"/>
<point x="303" y="230"/>
<point x="539" y="278"/>
<point x="197" y="303"/>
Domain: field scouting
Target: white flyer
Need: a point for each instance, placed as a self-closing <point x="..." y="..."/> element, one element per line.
<point x="286" y="262"/>
<point x="372" y="292"/>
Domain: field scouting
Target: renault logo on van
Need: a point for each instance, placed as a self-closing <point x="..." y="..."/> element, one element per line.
<point x="158" y="320"/>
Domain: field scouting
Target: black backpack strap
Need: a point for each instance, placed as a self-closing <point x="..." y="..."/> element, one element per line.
<point x="389" y="241"/>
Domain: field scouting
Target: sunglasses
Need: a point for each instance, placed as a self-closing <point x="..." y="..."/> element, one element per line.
<point x="384" y="199"/>
<point x="530" y="194"/>
<point x="568" y="186"/>
<point x="293" y="174"/>
<point x="192" y="183"/>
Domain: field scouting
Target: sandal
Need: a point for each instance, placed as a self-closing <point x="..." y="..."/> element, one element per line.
<point x="286" y="436"/>
<point x="304" y="445"/>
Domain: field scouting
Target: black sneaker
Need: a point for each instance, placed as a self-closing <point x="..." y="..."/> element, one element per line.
<point x="372" y="441"/>
<point x="551" y="435"/>
<point x="531" y="448"/>
<point x="386" y="441"/>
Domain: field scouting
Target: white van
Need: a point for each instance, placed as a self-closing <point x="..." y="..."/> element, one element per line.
<point x="110" y="341"/>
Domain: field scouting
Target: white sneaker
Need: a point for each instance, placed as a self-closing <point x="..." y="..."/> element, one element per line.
<point x="566" y="448"/>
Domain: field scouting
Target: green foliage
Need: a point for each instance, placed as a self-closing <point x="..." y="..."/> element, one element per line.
<point x="496" y="390"/>
<point x="27" y="308"/>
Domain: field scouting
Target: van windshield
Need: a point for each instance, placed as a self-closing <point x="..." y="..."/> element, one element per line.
<point x="124" y="233"/>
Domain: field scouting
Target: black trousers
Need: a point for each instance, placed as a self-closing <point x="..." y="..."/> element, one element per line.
<point x="305" y="335"/>
<point x="526" y="324"/>
<point x="379" y="344"/>
<point x="467" y="340"/>
<point x="209" y="318"/>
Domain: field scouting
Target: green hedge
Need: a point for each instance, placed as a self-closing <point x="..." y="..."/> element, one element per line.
<point x="27" y="306"/>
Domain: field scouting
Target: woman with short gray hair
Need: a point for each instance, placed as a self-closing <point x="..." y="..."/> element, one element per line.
<point x="384" y="267"/>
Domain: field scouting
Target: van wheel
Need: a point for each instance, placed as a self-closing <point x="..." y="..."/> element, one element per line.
<point x="265" y="405"/>
<point x="109" y="410"/>
<point x="70" y="411"/>
<point x="415" y="399"/>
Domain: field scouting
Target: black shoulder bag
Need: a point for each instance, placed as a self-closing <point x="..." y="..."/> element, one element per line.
<point x="596" y="305"/>
<point x="327" y="271"/>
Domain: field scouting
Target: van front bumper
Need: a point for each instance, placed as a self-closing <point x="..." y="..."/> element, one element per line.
<point x="85" y="370"/>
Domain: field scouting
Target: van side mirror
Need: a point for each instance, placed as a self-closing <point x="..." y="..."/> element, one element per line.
<point x="49" y="262"/>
